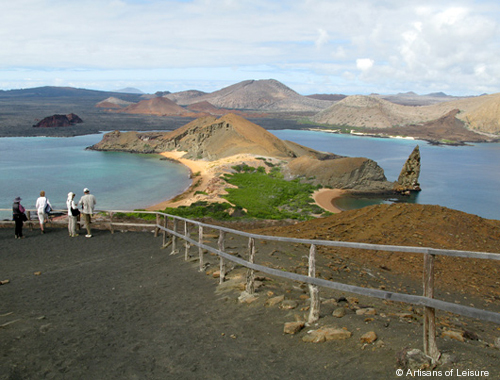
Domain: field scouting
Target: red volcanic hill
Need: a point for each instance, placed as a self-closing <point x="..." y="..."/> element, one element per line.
<point x="261" y="95"/>
<point x="157" y="106"/>
<point x="207" y="108"/>
<point x="58" y="121"/>
<point x="113" y="103"/>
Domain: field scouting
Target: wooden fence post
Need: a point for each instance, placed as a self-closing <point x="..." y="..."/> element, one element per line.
<point x="186" y="244"/>
<point x="200" y="250"/>
<point x="157" y="230"/>
<point x="430" y="346"/>
<point x="313" y="289"/>
<point x="222" y="267"/>
<point x="174" y="239"/>
<point x="165" y="219"/>
<point x="28" y="215"/>
<point x="250" y="287"/>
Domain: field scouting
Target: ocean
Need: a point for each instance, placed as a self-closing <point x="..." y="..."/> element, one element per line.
<point x="464" y="178"/>
<point x="59" y="165"/>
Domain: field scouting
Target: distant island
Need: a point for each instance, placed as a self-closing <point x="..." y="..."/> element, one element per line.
<point x="57" y="121"/>
<point x="437" y="117"/>
<point x="212" y="146"/>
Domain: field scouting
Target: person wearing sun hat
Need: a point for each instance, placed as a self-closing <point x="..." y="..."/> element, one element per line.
<point x="88" y="202"/>
<point x="19" y="216"/>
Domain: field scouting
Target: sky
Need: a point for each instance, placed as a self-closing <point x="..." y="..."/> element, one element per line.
<point x="312" y="46"/>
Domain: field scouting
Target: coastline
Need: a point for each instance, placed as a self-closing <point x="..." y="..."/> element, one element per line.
<point x="199" y="174"/>
<point x="324" y="198"/>
<point x="207" y="186"/>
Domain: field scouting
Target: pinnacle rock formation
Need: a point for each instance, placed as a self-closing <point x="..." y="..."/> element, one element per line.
<point x="408" y="178"/>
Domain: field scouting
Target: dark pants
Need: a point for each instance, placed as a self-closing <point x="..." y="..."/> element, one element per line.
<point x="19" y="225"/>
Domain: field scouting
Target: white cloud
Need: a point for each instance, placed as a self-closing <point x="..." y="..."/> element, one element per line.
<point x="364" y="64"/>
<point x="416" y="45"/>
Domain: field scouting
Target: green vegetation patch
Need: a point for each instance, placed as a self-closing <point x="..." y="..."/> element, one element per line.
<point x="259" y="195"/>
<point x="270" y="196"/>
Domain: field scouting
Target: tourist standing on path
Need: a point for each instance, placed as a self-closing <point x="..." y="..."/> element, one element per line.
<point x="87" y="202"/>
<point x="19" y="216"/>
<point x="41" y="208"/>
<point x="72" y="214"/>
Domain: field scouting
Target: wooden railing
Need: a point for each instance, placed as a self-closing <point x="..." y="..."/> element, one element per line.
<point x="427" y="300"/>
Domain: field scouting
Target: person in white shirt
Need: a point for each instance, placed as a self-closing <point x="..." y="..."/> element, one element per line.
<point x="70" y="204"/>
<point x="41" y="208"/>
<point x="88" y="203"/>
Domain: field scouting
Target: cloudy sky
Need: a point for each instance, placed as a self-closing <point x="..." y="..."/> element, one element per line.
<point x="312" y="46"/>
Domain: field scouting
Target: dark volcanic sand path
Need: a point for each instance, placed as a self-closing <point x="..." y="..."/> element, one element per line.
<point x="118" y="307"/>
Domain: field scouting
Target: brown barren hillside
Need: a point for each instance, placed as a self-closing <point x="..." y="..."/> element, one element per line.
<point x="113" y="102"/>
<point x="373" y="112"/>
<point x="212" y="139"/>
<point x="204" y="138"/>
<point x="262" y="95"/>
<point x="206" y="108"/>
<point x="411" y="225"/>
<point x="157" y="106"/>
<point x="481" y="113"/>
<point x="185" y="97"/>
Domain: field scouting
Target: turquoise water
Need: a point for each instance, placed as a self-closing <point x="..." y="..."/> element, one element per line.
<point x="465" y="178"/>
<point x="59" y="165"/>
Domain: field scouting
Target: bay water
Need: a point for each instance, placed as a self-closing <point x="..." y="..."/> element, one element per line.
<point x="465" y="178"/>
<point x="119" y="181"/>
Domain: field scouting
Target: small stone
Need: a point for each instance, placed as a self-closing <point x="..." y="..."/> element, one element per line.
<point x="210" y="271"/>
<point x="275" y="300"/>
<point x="366" y="311"/>
<point x="369" y="337"/>
<point x="497" y="342"/>
<point x="453" y="335"/>
<point x="330" y="301"/>
<point x="336" y="334"/>
<point x="247" y="298"/>
<point x="314" y="337"/>
<point x="37" y="273"/>
<point x="413" y="359"/>
<point x="352" y="300"/>
<point x="289" y="304"/>
<point x="326" y="334"/>
<point x="293" y="327"/>
<point x="339" y="312"/>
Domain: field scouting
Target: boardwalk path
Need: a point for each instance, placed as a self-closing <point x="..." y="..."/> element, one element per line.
<point x="118" y="307"/>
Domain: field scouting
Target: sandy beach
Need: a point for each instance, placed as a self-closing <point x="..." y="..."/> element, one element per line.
<point x="207" y="184"/>
<point x="324" y="198"/>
